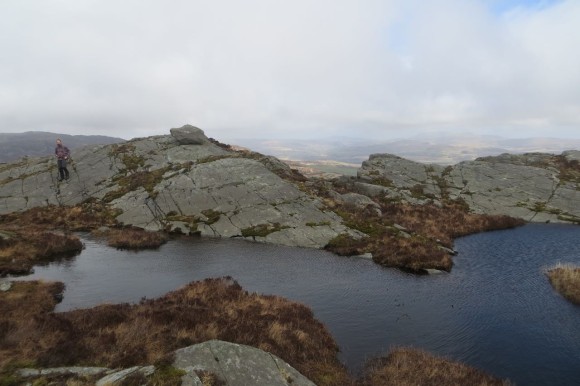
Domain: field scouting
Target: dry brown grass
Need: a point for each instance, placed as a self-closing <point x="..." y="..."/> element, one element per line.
<point x="124" y="335"/>
<point x="565" y="278"/>
<point x="82" y="217"/>
<point x="443" y="224"/>
<point x="26" y="248"/>
<point x="428" y="227"/>
<point x="411" y="367"/>
<point x="134" y="238"/>
<point x="42" y="234"/>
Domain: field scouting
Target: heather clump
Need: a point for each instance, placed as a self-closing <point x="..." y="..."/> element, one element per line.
<point x="20" y="250"/>
<point x="409" y="367"/>
<point x="133" y="238"/>
<point x="565" y="278"/>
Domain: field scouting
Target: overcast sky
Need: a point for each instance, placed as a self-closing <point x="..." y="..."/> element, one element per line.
<point x="291" y="68"/>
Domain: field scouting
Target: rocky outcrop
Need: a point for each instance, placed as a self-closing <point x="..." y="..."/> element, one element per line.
<point x="229" y="364"/>
<point x="167" y="183"/>
<point x="236" y="365"/>
<point x="535" y="187"/>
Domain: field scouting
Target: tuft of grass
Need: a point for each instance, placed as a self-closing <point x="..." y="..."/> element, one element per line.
<point x="410" y="367"/>
<point x="209" y="379"/>
<point x="346" y="245"/>
<point x="565" y="278"/>
<point x="135" y="238"/>
<point x="212" y="216"/>
<point x="166" y="375"/>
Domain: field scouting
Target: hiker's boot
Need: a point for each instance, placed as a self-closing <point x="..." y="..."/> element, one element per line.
<point x="66" y="174"/>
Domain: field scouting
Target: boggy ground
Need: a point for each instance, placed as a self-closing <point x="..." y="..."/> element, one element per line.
<point x="123" y="335"/>
<point x="43" y="234"/>
<point x="565" y="278"/>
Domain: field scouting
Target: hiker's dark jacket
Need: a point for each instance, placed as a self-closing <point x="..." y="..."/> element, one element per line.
<point x="61" y="152"/>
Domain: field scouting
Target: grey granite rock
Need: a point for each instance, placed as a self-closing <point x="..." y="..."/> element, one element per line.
<point x="233" y="364"/>
<point x="117" y="377"/>
<point x="529" y="186"/>
<point x="202" y="189"/>
<point x="189" y="135"/>
<point x="238" y="365"/>
<point x="5" y="286"/>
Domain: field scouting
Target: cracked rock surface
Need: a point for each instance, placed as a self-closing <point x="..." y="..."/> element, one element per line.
<point x="233" y="364"/>
<point x="160" y="183"/>
<point x="236" y="365"/>
<point x="535" y="187"/>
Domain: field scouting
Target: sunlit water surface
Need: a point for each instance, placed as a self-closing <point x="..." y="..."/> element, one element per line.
<point x="496" y="310"/>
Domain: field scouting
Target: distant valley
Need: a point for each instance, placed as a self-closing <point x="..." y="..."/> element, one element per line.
<point x="39" y="143"/>
<point x="442" y="149"/>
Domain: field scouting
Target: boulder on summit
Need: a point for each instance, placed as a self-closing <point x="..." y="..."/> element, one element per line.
<point x="189" y="135"/>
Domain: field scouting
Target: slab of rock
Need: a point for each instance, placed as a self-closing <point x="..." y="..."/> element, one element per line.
<point x="529" y="186"/>
<point x="238" y="365"/>
<point x="189" y="135"/>
<point x="117" y="377"/>
<point x="174" y="186"/>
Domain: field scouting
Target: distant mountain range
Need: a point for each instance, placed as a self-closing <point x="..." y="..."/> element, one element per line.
<point x="39" y="143"/>
<point x="441" y="149"/>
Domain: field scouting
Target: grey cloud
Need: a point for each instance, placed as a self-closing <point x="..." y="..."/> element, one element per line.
<point x="278" y="68"/>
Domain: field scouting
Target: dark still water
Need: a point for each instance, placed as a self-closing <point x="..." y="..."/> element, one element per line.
<point x="495" y="311"/>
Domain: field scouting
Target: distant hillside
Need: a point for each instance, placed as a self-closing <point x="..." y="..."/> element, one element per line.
<point x="438" y="149"/>
<point x="39" y="143"/>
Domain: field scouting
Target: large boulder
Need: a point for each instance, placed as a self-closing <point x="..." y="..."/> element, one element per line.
<point x="189" y="135"/>
<point x="236" y="365"/>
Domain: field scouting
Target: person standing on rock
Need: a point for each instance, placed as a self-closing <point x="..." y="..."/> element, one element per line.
<point x="62" y="154"/>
